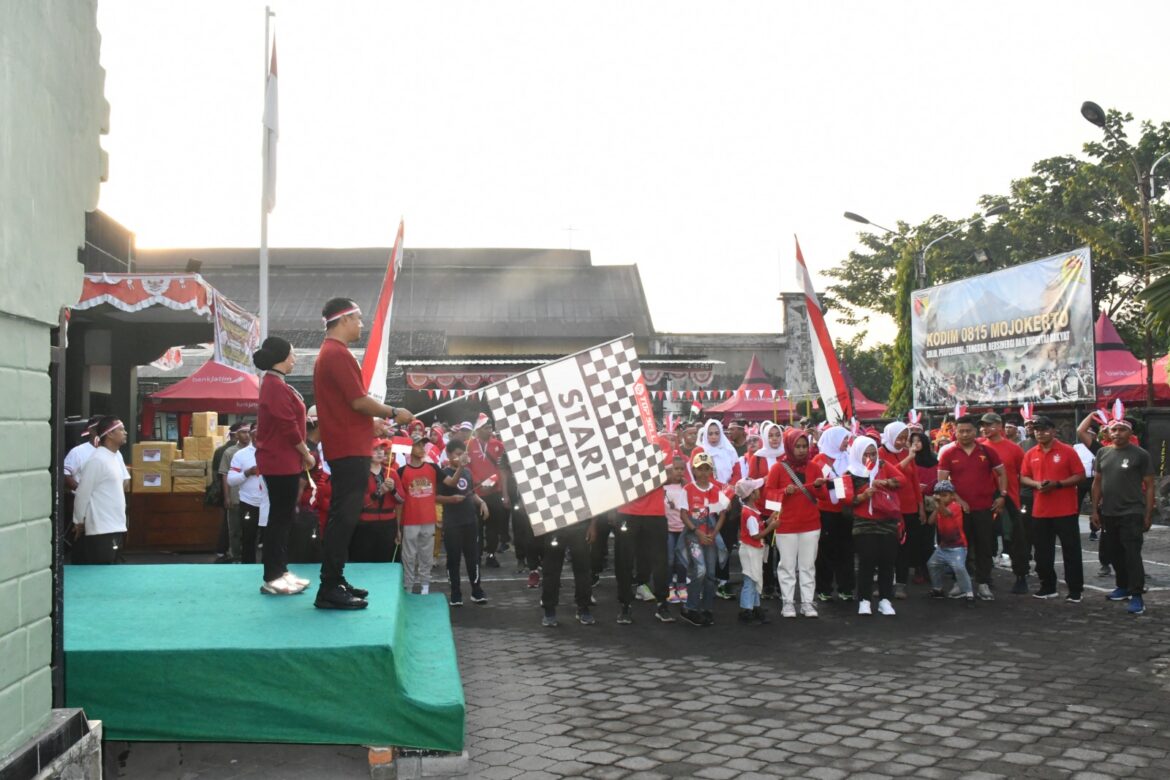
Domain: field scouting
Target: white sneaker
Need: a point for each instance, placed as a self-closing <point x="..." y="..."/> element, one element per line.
<point x="955" y="592"/>
<point x="808" y="610"/>
<point x="886" y="608"/>
<point x="864" y="607"/>
<point x="643" y="593"/>
<point x="788" y="610"/>
<point x="293" y="579"/>
<point x="983" y="592"/>
<point x="280" y="587"/>
<point x="424" y="590"/>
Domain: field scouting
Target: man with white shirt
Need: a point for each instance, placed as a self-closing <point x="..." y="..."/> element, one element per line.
<point x="244" y="476"/>
<point x="99" y="508"/>
<point x="72" y="464"/>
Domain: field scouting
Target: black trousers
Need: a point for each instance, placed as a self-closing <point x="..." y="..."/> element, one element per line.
<point x="601" y="543"/>
<point x="528" y="548"/>
<point x="496" y="526"/>
<point x="461" y="542"/>
<point x="875" y="553"/>
<point x="350" y="478"/>
<point x="835" y="553"/>
<point x="647" y="534"/>
<point x="221" y="543"/>
<point x="283" y="491"/>
<point x="730" y="534"/>
<point x="1018" y="541"/>
<point x="374" y="542"/>
<point x="102" y="548"/>
<point x="771" y="584"/>
<point x="249" y="531"/>
<point x="572" y="541"/>
<point x="1123" y="547"/>
<point x="1048" y="530"/>
<point x="979" y="528"/>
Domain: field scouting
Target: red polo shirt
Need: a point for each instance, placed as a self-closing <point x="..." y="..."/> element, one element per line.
<point x="1013" y="460"/>
<point x="973" y="474"/>
<point x="484" y="460"/>
<point x="1060" y="462"/>
<point x="337" y="382"/>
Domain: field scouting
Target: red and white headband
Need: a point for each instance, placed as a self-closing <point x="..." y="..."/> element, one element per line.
<point x="340" y="314"/>
<point x="117" y="424"/>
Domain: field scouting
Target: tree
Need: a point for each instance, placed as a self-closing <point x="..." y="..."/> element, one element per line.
<point x="868" y="367"/>
<point x="1064" y="203"/>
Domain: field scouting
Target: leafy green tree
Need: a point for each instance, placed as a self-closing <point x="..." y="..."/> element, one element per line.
<point x="1064" y="203"/>
<point x="868" y="367"/>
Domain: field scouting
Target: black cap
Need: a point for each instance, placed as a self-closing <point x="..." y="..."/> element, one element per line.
<point x="1040" y="421"/>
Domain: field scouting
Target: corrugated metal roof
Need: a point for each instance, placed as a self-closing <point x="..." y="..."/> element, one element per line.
<point x="505" y="293"/>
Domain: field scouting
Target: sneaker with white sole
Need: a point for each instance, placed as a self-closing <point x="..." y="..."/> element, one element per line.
<point x="280" y="587"/>
<point x="808" y="611"/>
<point x="293" y="579"/>
<point x="1044" y="594"/>
<point x="886" y="608"/>
<point x="643" y="593"/>
<point x="983" y="592"/>
<point x="788" y="610"/>
<point x="864" y="607"/>
<point x="956" y="592"/>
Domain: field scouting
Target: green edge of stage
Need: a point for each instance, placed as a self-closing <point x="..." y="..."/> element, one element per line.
<point x="194" y="653"/>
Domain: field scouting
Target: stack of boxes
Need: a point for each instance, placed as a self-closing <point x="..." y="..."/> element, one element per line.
<point x="152" y="466"/>
<point x="160" y="467"/>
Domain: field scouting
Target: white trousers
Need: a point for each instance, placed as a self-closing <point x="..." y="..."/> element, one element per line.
<point x="418" y="554"/>
<point x="798" y="559"/>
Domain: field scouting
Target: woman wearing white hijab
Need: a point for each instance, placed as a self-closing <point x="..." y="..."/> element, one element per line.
<point x="875" y="537"/>
<point x="897" y="451"/>
<point x="835" y="551"/>
<point x="759" y="466"/>
<point x="716" y="444"/>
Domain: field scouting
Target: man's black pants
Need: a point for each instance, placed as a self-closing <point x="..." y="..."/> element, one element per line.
<point x="350" y="478"/>
<point x="648" y="534"/>
<point x="249" y="531"/>
<point x="835" y="553"/>
<point x="1123" y="549"/>
<point x="979" y="528"/>
<point x="1047" y="531"/>
<point x="572" y="541"/>
<point x="102" y="548"/>
<point x="496" y="526"/>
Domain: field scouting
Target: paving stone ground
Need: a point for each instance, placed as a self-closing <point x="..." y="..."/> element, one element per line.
<point x="1013" y="688"/>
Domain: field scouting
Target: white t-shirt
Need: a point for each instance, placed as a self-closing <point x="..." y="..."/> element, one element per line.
<point x="77" y="457"/>
<point x="101" y="493"/>
<point x="676" y="501"/>
<point x="251" y="487"/>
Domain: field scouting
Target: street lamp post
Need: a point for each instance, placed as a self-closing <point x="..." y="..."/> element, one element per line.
<point x="991" y="212"/>
<point x="1094" y="114"/>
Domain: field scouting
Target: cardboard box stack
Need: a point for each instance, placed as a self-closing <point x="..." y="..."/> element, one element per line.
<point x="204" y="424"/>
<point x="200" y="447"/>
<point x="151" y="467"/>
<point x="190" y="476"/>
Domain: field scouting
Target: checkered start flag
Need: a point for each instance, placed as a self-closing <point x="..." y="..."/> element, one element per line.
<point x="579" y="433"/>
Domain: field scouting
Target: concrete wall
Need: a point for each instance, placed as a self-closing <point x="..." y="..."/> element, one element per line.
<point x="52" y="113"/>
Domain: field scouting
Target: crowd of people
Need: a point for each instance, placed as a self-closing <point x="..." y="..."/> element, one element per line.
<point x="815" y="514"/>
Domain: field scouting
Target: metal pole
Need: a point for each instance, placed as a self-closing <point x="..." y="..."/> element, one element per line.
<point x="263" y="209"/>
<point x="1143" y="191"/>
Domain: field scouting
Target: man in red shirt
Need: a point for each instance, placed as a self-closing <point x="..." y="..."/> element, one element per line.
<point x="1017" y="539"/>
<point x="980" y="482"/>
<point x="1053" y="470"/>
<point x="345" y="412"/>
<point x="484" y="452"/>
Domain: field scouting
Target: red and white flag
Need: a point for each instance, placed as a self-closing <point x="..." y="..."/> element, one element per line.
<point x="271" y="133"/>
<point x="830" y="381"/>
<point x="696" y="408"/>
<point x="374" y="362"/>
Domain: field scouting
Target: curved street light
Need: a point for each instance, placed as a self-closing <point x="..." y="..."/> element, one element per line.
<point x="858" y="218"/>
<point x="991" y="212"/>
<point x="1095" y="115"/>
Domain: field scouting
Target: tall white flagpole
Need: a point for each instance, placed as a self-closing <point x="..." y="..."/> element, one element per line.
<point x="268" y="14"/>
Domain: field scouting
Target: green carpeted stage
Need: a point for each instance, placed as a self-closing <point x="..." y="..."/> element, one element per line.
<point x="182" y="652"/>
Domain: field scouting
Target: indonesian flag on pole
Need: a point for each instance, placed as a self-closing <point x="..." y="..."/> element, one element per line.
<point x="826" y="369"/>
<point x="271" y="133"/>
<point x="374" y="362"/>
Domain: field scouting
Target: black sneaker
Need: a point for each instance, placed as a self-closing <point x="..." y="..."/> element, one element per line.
<point x="1073" y="598"/>
<point x="504" y="547"/>
<point x="479" y="598"/>
<point x="585" y="617"/>
<point x="760" y="616"/>
<point x="624" y="617"/>
<point x="1021" y="586"/>
<point x="338" y="597"/>
<point x="1045" y="594"/>
<point x="745" y="616"/>
<point x="455" y="600"/>
<point x="691" y="616"/>
<point x="596" y="579"/>
<point x="491" y="562"/>
<point x="662" y="614"/>
<point x="708" y="618"/>
<point x="361" y="593"/>
<point x="937" y="593"/>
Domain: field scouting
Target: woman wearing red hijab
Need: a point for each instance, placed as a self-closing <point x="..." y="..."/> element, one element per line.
<point x="799" y="531"/>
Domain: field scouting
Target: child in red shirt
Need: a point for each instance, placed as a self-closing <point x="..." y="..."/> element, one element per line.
<point x="951" y="554"/>
<point x="752" y="552"/>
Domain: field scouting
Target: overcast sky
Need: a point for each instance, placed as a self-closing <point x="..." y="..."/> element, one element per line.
<point x="693" y="139"/>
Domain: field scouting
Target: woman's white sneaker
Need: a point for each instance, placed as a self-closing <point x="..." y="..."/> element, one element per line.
<point x="886" y="608"/>
<point x="864" y="607"/>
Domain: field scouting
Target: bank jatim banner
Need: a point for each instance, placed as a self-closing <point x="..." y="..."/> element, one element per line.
<point x="1020" y="334"/>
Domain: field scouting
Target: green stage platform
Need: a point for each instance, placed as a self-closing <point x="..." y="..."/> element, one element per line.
<point x="181" y="652"/>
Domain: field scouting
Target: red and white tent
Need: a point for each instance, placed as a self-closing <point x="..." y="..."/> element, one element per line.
<point x="1120" y="374"/>
<point x="755" y="399"/>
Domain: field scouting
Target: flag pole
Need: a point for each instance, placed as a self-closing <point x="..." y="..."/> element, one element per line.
<point x="268" y="14"/>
